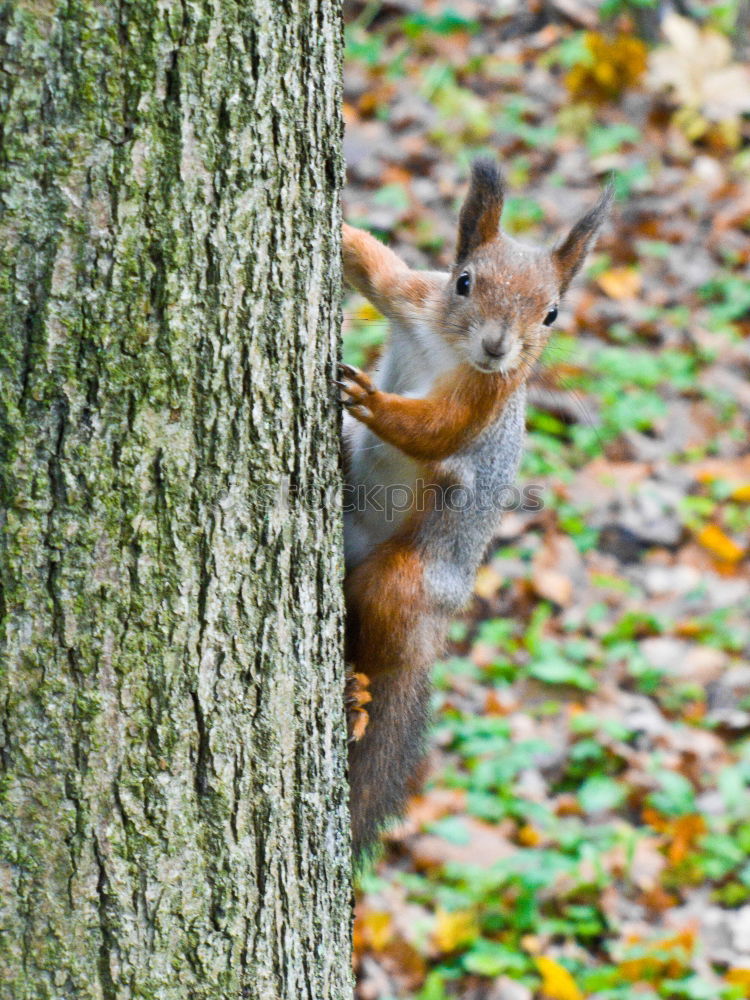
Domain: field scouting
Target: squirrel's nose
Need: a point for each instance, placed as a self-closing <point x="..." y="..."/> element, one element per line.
<point x="495" y="348"/>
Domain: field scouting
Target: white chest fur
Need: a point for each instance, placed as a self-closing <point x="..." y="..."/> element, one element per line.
<point x="382" y="480"/>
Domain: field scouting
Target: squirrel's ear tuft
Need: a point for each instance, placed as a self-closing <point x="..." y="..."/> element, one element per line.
<point x="569" y="255"/>
<point x="479" y="221"/>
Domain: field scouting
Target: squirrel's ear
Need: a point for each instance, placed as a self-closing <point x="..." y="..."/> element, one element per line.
<point x="479" y="221"/>
<point x="569" y="255"/>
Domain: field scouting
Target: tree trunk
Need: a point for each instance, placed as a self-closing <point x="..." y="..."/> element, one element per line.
<point x="172" y="742"/>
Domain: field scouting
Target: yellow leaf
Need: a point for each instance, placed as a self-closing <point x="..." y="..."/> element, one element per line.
<point x="453" y="929"/>
<point x="740" y="977"/>
<point x="528" y="836"/>
<point x="613" y="64"/>
<point x="377" y="930"/>
<point x="367" y="312"/>
<point x="720" y="545"/>
<point x="683" y="833"/>
<point x="741" y="493"/>
<point x="557" y="982"/>
<point x="620" y="282"/>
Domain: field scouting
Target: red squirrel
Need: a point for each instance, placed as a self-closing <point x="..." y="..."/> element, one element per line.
<point x="441" y="417"/>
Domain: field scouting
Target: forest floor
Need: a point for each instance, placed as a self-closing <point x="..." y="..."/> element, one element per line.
<point x="585" y="830"/>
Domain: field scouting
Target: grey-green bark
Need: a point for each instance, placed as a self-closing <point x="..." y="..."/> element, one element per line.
<point x="172" y="789"/>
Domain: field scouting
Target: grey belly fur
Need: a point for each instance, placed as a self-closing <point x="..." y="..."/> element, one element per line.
<point x="454" y="539"/>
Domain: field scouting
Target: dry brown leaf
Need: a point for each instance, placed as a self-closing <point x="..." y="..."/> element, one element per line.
<point x="488" y="582"/>
<point x="555" y="565"/>
<point x="434" y="804"/>
<point x="644" y="867"/>
<point x="665" y="958"/>
<point x="683" y="833"/>
<point x="696" y="68"/>
<point x="620" y="283"/>
<point x="553" y="586"/>
<point x="499" y="702"/>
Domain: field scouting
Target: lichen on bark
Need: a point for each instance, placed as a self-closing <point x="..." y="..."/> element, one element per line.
<point x="172" y="791"/>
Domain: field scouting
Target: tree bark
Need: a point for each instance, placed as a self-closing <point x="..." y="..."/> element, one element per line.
<point x="173" y="817"/>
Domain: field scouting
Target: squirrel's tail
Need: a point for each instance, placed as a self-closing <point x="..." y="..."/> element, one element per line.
<point x="393" y="637"/>
<point x="384" y="764"/>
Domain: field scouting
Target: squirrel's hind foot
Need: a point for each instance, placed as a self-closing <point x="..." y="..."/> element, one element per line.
<point x="356" y="696"/>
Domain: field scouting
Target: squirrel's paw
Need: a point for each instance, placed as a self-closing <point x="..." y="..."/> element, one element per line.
<point x="356" y="697"/>
<point x="358" y="391"/>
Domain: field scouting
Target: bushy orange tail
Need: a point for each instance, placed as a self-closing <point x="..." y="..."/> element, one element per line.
<point x="393" y="638"/>
<point x="384" y="766"/>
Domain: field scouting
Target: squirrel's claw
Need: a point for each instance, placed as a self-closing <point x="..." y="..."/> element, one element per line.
<point x="358" y="377"/>
<point x="357" y="388"/>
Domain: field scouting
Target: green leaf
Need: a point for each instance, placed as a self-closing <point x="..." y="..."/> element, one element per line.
<point x="451" y="828"/>
<point x="556" y="670"/>
<point x="676" y="797"/>
<point x="600" y="794"/>
<point x="488" y="958"/>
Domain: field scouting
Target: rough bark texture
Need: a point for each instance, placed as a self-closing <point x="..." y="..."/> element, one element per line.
<point x="172" y="788"/>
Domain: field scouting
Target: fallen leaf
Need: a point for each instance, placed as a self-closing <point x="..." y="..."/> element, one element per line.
<point x="613" y="64"/>
<point x="499" y="703"/>
<point x="434" y="804"/>
<point x="662" y="958"/>
<point x="373" y="930"/>
<point x="488" y="582"/>
<point x="658" y="899"/>
<point x="620" y="283"/>
<point x="553" y="586"/>
<point x="555" y="566"/>
<point x="528" y="836"/>
<point x="683" y="832"/>
<point x="452" y="929"/>
<point x="697" y="70"/>
<point x="712" y="538"/>
<point x="557" y="982"/>
<point x="740" y="977"/>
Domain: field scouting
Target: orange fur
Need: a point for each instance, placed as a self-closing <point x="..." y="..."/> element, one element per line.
<point x="430" y="429"/>
<point x="382" y="277"/>
<point x="393" y="637"/>
<point x="385" y="600"/>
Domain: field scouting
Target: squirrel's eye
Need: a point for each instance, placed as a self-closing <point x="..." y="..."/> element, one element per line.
<point x="463" y="284"/>
<point x="551" y="316"/>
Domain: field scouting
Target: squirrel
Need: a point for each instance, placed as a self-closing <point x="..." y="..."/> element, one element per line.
<point x="441" y="418"/>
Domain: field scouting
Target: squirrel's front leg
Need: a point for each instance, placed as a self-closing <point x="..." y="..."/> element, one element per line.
<point x="427" y="429"/>
<point x="415" y="426"/>
<point x="383" y="278"/>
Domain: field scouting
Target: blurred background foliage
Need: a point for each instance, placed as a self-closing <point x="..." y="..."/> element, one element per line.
<point x="585" y="831"/>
